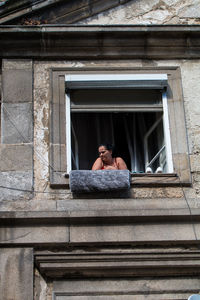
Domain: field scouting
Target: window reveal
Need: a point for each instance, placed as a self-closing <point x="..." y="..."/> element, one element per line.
<point x="128" y="110"/>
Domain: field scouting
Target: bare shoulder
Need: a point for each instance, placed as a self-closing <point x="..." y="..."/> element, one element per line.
<point x="119" y="160"/>
<point x="121" y="163"/>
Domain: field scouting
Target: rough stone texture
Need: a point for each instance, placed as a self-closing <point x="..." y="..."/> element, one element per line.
<point x="191" y="11"/>
<point x="16" y="151"/>
<point x="150" y="12"/>
<point x="100" y="180"/>
<point x="21" y="82"/>
<point x="127" y="204"/>
<point x="17" y="64"/>
<point x="40" y="287"/>
<point x="15" y="185"/>
<point x="16" y="273"/>
<point x="34" y="235"/>
<point x="133" y="233"/>
<point x="195" y="163"/>
<point x="15" y="157"/>
<point x="17" y="123"/>
<point x="41" y="133"/>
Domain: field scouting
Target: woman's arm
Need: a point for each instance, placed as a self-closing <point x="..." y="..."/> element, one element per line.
<point x="121" y="163"/>
<point x="97" y="164"/>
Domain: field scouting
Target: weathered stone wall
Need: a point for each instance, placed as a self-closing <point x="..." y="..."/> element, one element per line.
<point x="143" y="12"/>
<point x="25" y="165"/>
<point x="16" y="149"/>
<point x="16" y="273"/>
<point x="46" y="198"/>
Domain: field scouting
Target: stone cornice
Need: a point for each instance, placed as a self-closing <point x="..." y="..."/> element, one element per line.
<point x="127" y="263"/>
<point x="121" y="227"/>
<point x="100" y="42"/>
<point x="99" y="217"/>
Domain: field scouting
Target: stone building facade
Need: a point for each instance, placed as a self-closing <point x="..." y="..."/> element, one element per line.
<point x="136" y="244"/>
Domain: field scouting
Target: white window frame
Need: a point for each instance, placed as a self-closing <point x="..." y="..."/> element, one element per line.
<point x="133" y="81"/>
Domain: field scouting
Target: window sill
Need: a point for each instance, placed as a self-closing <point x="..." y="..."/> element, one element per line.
<point x="144" y="180"/>
<point x="157" y="180"/>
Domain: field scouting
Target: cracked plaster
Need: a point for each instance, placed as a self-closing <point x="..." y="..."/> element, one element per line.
<point x="40" y="287"/>
<point x="150" y="12"/>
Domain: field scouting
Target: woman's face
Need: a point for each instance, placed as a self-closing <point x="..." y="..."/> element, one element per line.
<point x="105" y="154"/>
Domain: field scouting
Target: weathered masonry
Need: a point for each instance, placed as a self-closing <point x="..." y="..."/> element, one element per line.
<point x="64" y="88"/>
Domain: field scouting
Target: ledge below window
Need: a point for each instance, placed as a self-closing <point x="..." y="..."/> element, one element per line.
<point x="142" y="180"/>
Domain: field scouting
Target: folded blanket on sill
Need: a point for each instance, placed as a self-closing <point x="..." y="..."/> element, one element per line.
<point x="86" y="181"/>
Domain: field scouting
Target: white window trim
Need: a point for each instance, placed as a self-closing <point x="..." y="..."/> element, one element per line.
<point x="167" y="133"/>
<point x="150" y="81"/>
<point x="154" y="81"/>
<point x="68" y="133"/>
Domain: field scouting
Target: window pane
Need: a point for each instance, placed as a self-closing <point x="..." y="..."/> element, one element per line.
<point x="125" y="130"/>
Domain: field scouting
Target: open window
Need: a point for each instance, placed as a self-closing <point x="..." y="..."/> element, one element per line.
<point x="128" y="110"/>
<point x="147" y="102"/>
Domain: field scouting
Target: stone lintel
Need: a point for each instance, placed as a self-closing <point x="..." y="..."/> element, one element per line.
<point x="98" y="42"/>
<point x="127" y="263"/>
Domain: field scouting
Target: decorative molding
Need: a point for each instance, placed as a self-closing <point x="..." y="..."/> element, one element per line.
<point x="118" y="264"/>
<point x="99" y="217"/>
<point x="101" y="42"/>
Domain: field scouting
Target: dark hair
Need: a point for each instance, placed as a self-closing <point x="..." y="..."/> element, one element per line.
<point x="108" y="146"/>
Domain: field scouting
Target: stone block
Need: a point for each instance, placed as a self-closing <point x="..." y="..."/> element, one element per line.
<point x="16" y="185"/>
<point x="17" y="85"/>
<point x="99" y="181"/>
<point x="182" y="167"/>
<point x="16" y="273"/>
<point x="122" y="204"/>
<point x="58" y="178"/>
<point x="58" y="157"/>
<point x="17" y="64"/>
<point x="195" y="163"/>
<point x="16" y="157"/>
<point x="34" y="234"/>
<point x="30" y="205"/>
<point x="132" y="233"/>
<point x="17" y="123"/>
<point x="179" y="119"/>
<point x="58" y="128"/>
